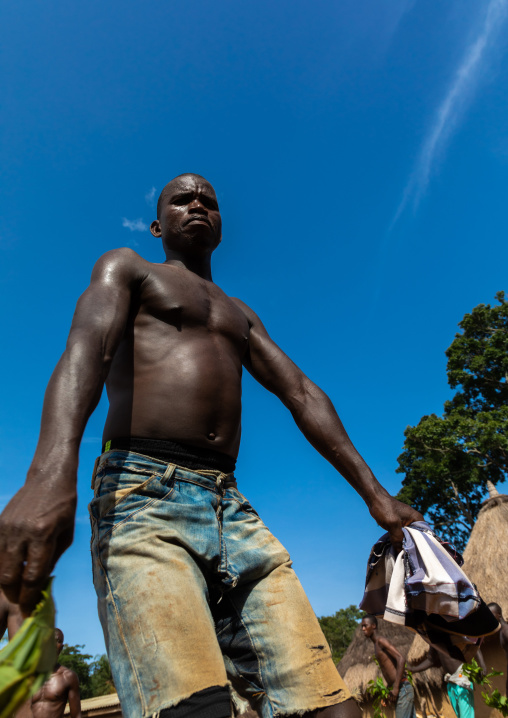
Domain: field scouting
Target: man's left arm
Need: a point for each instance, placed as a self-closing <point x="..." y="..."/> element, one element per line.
<point x="317" y="419"/>
<point x="399" y="663"/>
<point x="73" y="697"/>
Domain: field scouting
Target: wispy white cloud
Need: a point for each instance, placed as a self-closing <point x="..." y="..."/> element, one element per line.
<point x="448" y="113"/>
<point x="135" y="225"/>
<point x="150" y="197"/>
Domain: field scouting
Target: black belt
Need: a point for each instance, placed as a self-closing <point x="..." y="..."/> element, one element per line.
<point x="191" y="457"/>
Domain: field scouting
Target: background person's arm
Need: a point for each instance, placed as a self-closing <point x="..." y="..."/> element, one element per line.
<point x="73" y="697"/>
<point x="430" y="660"/>
<point x="37" y="525"/>
<point x="317" y="419"/>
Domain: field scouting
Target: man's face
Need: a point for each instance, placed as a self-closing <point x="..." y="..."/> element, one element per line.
<point x="59" y="641"/>
<point x="189" y="216"/>
<point x="368" y="628"/>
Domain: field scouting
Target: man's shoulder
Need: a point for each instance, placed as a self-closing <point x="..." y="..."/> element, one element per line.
<point x="120" y="264"/>
<point x="70" y="676"/>
<point x="121" y="257"/>
<point x="251" y="316"/>
<point x="383" y="642"/>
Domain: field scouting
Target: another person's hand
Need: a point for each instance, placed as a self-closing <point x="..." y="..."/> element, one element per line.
<point x="36" y="527"/>
<point x="393" y="515"/>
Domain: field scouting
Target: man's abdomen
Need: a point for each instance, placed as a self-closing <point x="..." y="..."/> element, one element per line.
<point x="187" y="391"/>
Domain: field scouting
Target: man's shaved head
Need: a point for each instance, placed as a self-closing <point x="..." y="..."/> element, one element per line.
<point x="496" y="609"/>
<point x="59" y="636"/>
<point x="371" y="619"/>
<point x="171" y="183"/>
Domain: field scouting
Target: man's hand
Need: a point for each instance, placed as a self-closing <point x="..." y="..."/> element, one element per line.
<point x="394" y="694"/>
<point x="393" y="515"/>
<point x="36" y="527"/>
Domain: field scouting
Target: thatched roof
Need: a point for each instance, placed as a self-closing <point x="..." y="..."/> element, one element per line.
<point x="486" y="557"/>
<point x="357" y="667"/>
<point x="431" y="678"/>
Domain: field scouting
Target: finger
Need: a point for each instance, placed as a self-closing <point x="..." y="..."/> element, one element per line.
<point x="11" y="569"/>
<point x="36" y="574"/>
<point x="63" y="542"/>
<point x="396" y="537"/>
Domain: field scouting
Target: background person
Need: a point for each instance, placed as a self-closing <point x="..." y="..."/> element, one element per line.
<point x="62" y="687"/>
<point x="392" y="665"/>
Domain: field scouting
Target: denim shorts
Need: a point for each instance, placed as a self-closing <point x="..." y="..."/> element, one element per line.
<point x="405" y="706"/>
<point x="194" y="591"/>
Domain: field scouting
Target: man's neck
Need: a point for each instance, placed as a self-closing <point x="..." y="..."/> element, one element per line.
<point x="200" y="265"/>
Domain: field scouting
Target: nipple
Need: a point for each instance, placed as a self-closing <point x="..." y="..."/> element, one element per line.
<point x="211" y="436"/>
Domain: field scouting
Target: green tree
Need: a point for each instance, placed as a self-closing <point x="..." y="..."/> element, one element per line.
<point x="101" y="679"/>
<point x="339" y="629"/>
<point x="73" y="658"/>
<point x="447" y="460"/>
<point x="94" y="676"/>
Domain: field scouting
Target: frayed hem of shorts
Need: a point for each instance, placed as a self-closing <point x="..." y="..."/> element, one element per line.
<point x="333" y="699"/>
<point x="174" y="703"/>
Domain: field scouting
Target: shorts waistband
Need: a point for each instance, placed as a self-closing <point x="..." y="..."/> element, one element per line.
<point x="190" y="457"/>
<point x="210" y="479"/>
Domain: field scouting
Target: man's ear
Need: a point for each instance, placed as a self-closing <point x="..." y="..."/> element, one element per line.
<point x="155" y="228"/>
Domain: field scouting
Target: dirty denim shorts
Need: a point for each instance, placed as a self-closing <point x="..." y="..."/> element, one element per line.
<point x="194" y="591"/>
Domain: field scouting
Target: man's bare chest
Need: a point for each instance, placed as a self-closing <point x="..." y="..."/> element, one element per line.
<point x="184" y="301"/>
<point x="53" y="690"/>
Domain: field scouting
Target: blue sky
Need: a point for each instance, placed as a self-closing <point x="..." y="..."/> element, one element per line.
<point x="359" y="151"/>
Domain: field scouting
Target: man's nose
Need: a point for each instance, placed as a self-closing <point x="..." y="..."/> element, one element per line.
<point x="197" y="207"/>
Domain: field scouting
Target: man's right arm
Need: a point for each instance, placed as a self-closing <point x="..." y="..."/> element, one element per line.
<point x="73" y="695"/>
<point x="37" y="525"/>
<point x="429" y="661"/>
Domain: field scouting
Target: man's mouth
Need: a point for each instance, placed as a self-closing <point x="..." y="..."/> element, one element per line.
<point x="199" y="218"/>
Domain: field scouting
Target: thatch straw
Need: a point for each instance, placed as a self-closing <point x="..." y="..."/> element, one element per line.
<point x="357" y="667"/>
<point x="431" y="678"/>
<point x="485" y="557"/>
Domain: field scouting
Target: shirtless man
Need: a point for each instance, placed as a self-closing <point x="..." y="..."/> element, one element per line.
<point x="191" y="585"/>
<point x="61" y="687"/>
<point x="458" y="686"/>
<point x="391" y="663"/>
<point x="503" y="635"/>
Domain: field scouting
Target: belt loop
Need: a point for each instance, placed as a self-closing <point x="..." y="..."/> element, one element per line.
<point x="170" y="468"/>
<point x="221" y="482"/>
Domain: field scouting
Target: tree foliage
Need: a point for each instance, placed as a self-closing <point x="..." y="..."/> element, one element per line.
<point x="94" y="676"/>
<point x="339" y="629"/>
<point x="447" y="460"/>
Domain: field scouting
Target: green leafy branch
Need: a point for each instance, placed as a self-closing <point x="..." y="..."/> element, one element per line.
<point x="380" y="693"/>
<point x="494" y="699"/>
<point x="497" y="701"/>
<point x="475" y="674"/>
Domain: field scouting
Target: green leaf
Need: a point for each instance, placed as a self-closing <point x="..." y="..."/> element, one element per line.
<point x="27" y="661"/>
